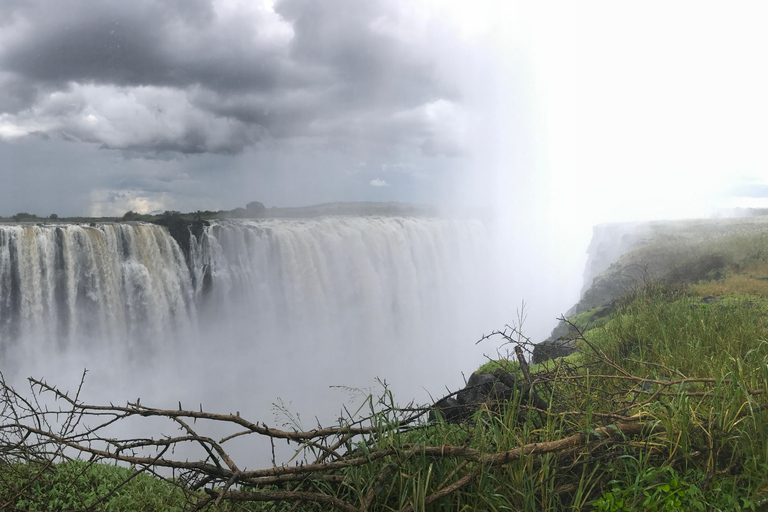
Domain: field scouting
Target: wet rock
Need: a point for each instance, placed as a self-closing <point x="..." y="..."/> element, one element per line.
<point x="486" y="390"/>
<point x="551" y="349"/>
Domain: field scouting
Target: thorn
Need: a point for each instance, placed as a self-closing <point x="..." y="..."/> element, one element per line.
<point x="179" y="404"/>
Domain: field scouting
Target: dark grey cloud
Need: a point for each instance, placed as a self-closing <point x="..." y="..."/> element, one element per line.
<point x="367" y="62"/>
<point x="145" y="42"/>
<point x="16" y="93"/>
<point x="154" y="78"/>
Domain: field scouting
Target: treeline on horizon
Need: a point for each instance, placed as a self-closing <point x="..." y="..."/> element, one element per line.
<point x="252" y="210"/>
<point x="256" y="209"/>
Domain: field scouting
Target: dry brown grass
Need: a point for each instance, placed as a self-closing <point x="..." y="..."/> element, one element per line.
<point x="752" y="281"/>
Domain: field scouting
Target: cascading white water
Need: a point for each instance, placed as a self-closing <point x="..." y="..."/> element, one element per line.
<point x="261" y="309"/>
<point x="361" y="281"/>
<point x="72" y="286"/>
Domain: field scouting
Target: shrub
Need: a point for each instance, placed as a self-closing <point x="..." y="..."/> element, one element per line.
<point x="24" y="217"/>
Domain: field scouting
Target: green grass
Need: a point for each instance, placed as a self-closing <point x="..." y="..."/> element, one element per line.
<point x="506" y="365"/>
<point x="715" y="453"/>
<point x="721" y="447"/>
<point x="592" y="319"/>
<point x="687" y="335"/>
<point x="80" y="485"/>
<point x="76" y="485"/>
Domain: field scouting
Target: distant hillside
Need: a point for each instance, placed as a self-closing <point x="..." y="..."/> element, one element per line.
<point x="338" y="208"/>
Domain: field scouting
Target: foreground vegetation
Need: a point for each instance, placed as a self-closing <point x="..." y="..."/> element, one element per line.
<point x="663" y="407"/>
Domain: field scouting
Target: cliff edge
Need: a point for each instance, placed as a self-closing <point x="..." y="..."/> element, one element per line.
<point x="625" y="256"/>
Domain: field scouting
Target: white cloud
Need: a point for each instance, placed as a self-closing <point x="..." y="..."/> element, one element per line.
<point x="112" y="203"/>
<point x="444" y="122"/>
<point x="11" y="130"/>
<point x="379" y="183"/>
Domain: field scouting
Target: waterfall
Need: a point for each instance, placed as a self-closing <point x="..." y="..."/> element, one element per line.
<point x="357" y="279"/>
<point x="258" y="308"/>
<point x="68" y="286"/>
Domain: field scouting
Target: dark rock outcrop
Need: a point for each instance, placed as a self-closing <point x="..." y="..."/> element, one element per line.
<point x="181" y="229"/>
<point x="561" y="342"/>
<point x="487" y="390"/>
<point x="207" y="280"/>
<point x="553" y="348"/>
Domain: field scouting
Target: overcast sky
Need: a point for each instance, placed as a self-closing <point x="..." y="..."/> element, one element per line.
<point x="567" y="114"/>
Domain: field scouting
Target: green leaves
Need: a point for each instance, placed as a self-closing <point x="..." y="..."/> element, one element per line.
<point x="656" y="490"/>
<point x="77" y="485"/>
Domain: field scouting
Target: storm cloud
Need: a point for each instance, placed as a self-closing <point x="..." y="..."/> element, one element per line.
<point x="156" y="78"/>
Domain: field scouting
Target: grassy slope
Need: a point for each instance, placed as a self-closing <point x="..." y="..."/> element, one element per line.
<point x="701" y="314"/>
<point x="692" y="373"/>
<point x="704" y="317"/>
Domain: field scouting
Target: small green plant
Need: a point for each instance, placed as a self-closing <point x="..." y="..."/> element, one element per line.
<point x="499" y="364"/>
<point x="657" y="489"/>
<point x="78" y="485"/>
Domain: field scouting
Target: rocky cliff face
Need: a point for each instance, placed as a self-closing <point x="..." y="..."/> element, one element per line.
<point x="609" y="242"/>
<point x="624" y="256"/>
